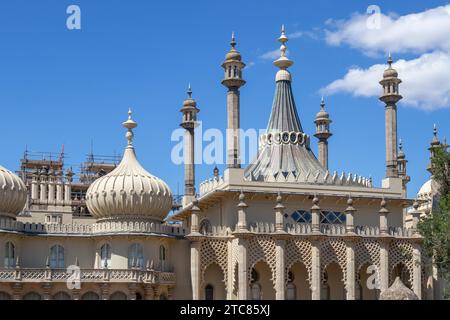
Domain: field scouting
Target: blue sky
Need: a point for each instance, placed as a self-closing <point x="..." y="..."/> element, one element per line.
<point x="60" y="86"/>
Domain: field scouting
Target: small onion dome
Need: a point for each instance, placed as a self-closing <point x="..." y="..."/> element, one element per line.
<point x="189" y="102"/>
<point x="322" y="114"/>
<point x="13" y="194"/>
<point x="233" y="54"/>
<point x="398" y="291"/>
<point x="129" y="191"/>
<point x="390" y="72"/>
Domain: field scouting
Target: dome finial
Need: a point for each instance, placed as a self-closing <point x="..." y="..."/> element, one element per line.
<point x="283" y="62"/>
<point x="390" y="61"/>
<point x="400" y="145"/>
<point x="322" y="103"/>
<point x="233" y="41"/>
<point x="189" y="92"/>
<point x="130" y="124"/>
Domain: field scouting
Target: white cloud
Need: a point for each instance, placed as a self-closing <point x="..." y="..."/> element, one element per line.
<point x="418" y="32"/>
<point x="426" y="81"/>
<point x="271" y="55"/>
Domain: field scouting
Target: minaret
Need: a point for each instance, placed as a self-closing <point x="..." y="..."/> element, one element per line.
<point x="390" y="97"/>
<point x="189" y="123"/>
<point x="435" y="144"/>
<point x="233" y="67"/>
<point x="323" y="133"/>
<point x="401" y="165"/>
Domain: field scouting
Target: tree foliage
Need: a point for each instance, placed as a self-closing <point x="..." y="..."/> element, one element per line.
<point x="435" y="228"/>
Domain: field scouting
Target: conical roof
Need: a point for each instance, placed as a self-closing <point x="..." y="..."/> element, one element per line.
<point x="285" y="147"/>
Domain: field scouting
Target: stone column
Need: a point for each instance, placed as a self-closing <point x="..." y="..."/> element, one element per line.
<point x="230" y="271"/>
<point x="189" y="167"/>
<point x="132" y="291"/>
<point x="46" y="287"/>
<point x="195" y="269"/>
<point x="242" y="215"/>
<point x="315" y="271"/>
<point x="233" y="136"/>
<point x="279" y="215"/>
<point x="59" y="190"/>
<point x="75" y="294"/>
<point x="349" y="217"/>
<point x="383" y="218"/>
<point x="323" y="153"/>
<point x="243" y="269"/>
<point x="104" y="289"/>
<point x="384" y="264"/>
<point x="391" y="140"/>
<point x="417" y="270"/>
<point x="43" y="187"/>
<point x="17" y="288"/>
<point x="280" y="277"/>
<point x="315" y="213"/>
<point x="68" y="192"/>
<point x="350" y="266"/>
<point x="51" y="188"/>
<point x="34" y="188"/>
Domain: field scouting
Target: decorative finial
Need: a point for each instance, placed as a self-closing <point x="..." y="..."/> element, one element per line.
<point x="233" y="41"/>
<point x="435" y="130"/>
<point x="283" y="62"/>
<point x="322" y="103"/>
<point x="390" y="61"/>
<point x="130" y="124"/>
<point x="400" y="145"/>
<point x="279" y="198"/>
<point x="189" y="92"/>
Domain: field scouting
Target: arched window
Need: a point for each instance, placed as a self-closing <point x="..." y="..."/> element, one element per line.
<point x="4" y="296"/>
<point x="61" y="296"/>
<point x="162" y="257"/>
<point x="10" y="255"/>
<point x="205" y="227"/>
<point x="135" y="256"/>
<point x="90" y="296"/>
<point x="118" y="295"/>
<point x="291" y="291"/>
<point x="325" y="289"/>
<point x="105" y="256"/>
<point x="57" y="257"/>
<point x="209" y="292"/>
<point x="32" y="296"/>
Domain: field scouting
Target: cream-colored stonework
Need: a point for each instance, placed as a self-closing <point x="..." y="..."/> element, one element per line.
<point x="275" y="230"/>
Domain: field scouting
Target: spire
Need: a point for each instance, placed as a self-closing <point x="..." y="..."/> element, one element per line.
<point x="233" y="41"/>
<point x="435" y="140"/>
<point x="401" y="154"/>
<point x="283" y="62"/>
<point x="322" y="104"/>
<point x="189" y="92"/>
<point x="130" y="124"/>
<point x="390" y="61"/>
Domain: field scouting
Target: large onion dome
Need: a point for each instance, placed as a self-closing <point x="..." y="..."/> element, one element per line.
<point x="129" y="192"/>
<point x="13" y="194"/>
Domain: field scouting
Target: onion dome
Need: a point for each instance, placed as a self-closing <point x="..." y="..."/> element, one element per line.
<point x="13" y="194"/>
<point x="390" y="72"/>
<point x="233" y="54"/>
<point x="129" y="191"/>
<point x="398" y="291"/>
<point x="426" y="191"/>
<point x="322" y="114"/>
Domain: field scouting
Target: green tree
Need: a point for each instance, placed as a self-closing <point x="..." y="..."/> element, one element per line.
<point x="435" y="228"/>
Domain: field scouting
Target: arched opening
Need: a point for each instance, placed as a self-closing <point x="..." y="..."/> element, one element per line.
<point x="57" y="257"/>
<point x="4" y="296"/>
<point x="333" y="285"/>
<point x="10" y="255"/>
<point x="298" y="276"/>
<point x="367" y="282"/>
<point x="214" y="283"/>
<point x="32" y="296"/>
<point x="105" y="256"/>
<point x="61" y="296"/>
<point x="400" y="270"/>
<point x="90" y="296"/>
<point x="118" y="295"/>
<point x="135" y="256"/>
<point x="262" y="279"/>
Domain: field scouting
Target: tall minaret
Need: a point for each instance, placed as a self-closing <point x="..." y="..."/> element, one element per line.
<point x="390" y="97"/>
<point x="189" y="123"/>
<point x="323" y="133"/>
<point x="233" y="81"/>
<point x="434" y="145"/>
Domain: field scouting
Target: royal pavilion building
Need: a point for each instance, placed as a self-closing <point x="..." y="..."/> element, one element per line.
<point x="285" y="227"/>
